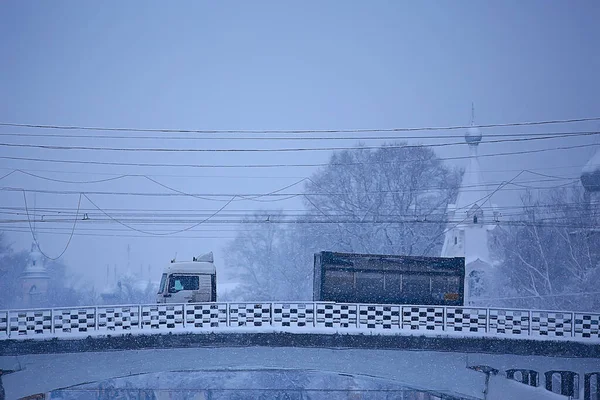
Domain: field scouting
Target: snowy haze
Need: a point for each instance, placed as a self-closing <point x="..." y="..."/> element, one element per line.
<point x="271" y="65"/>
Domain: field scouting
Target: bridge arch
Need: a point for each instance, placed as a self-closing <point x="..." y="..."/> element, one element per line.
<point x="249" y="383"/>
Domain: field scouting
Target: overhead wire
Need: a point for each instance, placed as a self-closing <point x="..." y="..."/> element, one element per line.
<point x="268" y="131"/>
<point x="290" y="138"/>
<point x="283" y="165"/>
<point x="44" y="215"/>
<point x="35" y="238"/>
<point x="160" y="234"/>
<point x="179" y="237"/>
<point x="275" y="150"/>
<point x="240" y="176"/>
<point x="418" y="220"/>
<point x="540" y="136"/>
<point x="302" y="179"/>
<point x="253" y="196"/>
<point x="246" y="225"/>
<point x="288" y="212"/>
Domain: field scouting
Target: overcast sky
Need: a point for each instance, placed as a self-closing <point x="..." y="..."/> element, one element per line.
<point x="271" y="65"/>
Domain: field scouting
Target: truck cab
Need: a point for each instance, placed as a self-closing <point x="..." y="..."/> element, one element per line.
<point x="189" y="281"/>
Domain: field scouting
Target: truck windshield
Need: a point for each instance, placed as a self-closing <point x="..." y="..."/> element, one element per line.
<point x="183" y="282"/>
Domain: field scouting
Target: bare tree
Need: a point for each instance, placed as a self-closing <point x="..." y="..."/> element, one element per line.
<point x="390" y="200"/>
<point x="550" y="257"/>
<point x="262" y="259"/>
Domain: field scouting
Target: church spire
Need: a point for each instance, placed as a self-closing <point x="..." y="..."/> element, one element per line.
<point x="34" y="279"/>
<point x="471" y="218"/>
<point x="473" y="135"/>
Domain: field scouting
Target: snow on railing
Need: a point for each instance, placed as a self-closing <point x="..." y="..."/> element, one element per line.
<point x="298" y="316"/>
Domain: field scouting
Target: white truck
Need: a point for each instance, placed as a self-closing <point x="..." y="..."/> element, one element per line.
<point x="189" y="281"/>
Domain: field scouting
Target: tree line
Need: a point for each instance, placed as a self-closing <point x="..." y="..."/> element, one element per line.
<point x="389" y="201"/>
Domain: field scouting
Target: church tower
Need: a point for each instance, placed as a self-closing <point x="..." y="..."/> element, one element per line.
<point x="471" y="222"/>
<point x="34" y="280"/>
<point x="590" y="180"/>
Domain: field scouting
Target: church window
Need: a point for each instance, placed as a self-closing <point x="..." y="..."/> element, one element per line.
<point x="455" y="239"/>
<point x="474" y="219"/>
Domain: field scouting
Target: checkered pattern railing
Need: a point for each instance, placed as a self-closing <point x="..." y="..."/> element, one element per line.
<point x="4" y="324"/>
<point x="301" y="316"/>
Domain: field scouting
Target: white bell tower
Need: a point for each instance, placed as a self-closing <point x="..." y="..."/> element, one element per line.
<point x="471" y="220"/>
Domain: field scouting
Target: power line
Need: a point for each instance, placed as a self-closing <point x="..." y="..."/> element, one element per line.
<point x="250" y="196"/>
<point x="33" y="232"/>
<point x="156" y="233"/>
<point x="241" y="197"/>
<point x="135" y="211"/>
<point x="89" y="162"/>
<point x="112" y="235"/>
<point x="254" y="225"/>
<point x="67" y="181"/>
<point x="80" y="228"/>
<point x="550" y="178"/>
<point x="313" y="221"/>
<point x="293" y="138"/>
<point x="240" y="176"/>
<point x="269" y="150"/>
<point x="43" y="212"/>
<point x="47" y="217"/>
<point x="365" y="130"/>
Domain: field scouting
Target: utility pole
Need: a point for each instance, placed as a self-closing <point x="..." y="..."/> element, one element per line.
<point x="128" y="257"/>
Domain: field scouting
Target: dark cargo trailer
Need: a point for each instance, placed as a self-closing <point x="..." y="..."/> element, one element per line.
<point x="388" y="279"/>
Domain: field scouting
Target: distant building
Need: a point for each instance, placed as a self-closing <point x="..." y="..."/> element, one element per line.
<point x="590" y="175"/>
<point x="128" y="288"/>
<point x="34" y="280"/>
<point x="590" y="180"/>
<point x="472" y="222"/>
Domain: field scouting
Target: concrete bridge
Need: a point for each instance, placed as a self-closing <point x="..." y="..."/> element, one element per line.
<point x="463" y="353"/>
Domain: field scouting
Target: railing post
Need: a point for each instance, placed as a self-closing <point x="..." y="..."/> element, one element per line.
<point x="487" y="320"/>
<point x="271" y="307"/>
<point x="444" y="318"/>
<point x="96" y="318"/>
<point x="183" y="309"/>
<point x="8" y="323"/>
<point x="227" y="321"/>
<point x="52" y="327"/>
<point x="572" y="324"/>
<point x="529" y="322"/>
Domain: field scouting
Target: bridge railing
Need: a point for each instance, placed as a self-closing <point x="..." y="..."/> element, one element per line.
<point x="298" y="317"/>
